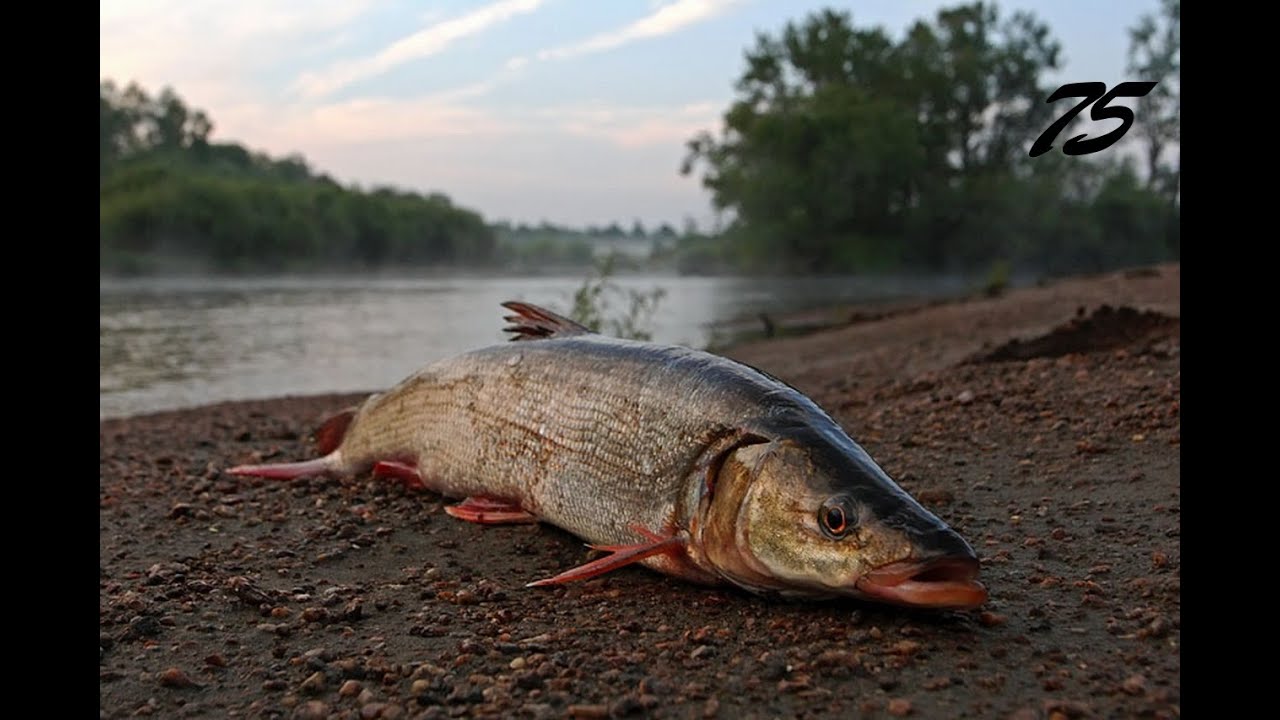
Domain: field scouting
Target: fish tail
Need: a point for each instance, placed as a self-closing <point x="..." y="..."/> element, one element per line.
<point x="328" y="465"/>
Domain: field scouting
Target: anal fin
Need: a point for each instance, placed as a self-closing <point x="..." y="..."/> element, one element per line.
<point x="619" y="556"/>
<point x="328" y="437"/>
<point x="404" y="472"/>
<point x="489" y="511"/>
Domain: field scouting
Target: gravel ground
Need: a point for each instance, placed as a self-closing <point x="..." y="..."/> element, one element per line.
<point x="1043" y="425"/>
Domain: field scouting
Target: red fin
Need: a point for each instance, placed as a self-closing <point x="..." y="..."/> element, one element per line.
<point x="284" y="471"/>
<point x="619" y="556"/>
<point x="532" y="322"/>
<point x="329" y="435"/>
<point x="404" y="472"/>
<point x="488" y="511"/>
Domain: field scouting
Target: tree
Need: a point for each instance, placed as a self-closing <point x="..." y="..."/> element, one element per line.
<point x="1155" y="55"/>
<point x="844" y="150"/>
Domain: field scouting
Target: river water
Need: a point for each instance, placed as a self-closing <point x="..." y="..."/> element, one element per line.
<point x="169" y="343"/>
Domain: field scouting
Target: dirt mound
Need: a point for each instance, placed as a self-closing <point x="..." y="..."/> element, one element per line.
<point x="1108" y="328"/>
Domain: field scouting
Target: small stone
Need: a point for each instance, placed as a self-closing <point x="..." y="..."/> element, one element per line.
<point x="175" y="678"/>
<point x="350" y="688"/>
<point x="899" y="707"/>
<point x="625" y="706"/>
<point x="314" y="684"/>
<point x="990" y="619"/>
<point x="711" y="708"/>
<point x="518" y="663"/>
<point x="315" y="615"/>
<point x="311" y="710"/>
<point x="420" y="687"/>
<point x="143" y="626"/>
<point x="1134" y="685"/>
<point x="589" y="712"/>
<point x="372" y="710"/>
<point x="906" y="647"/>
<point x="965" y="397"/>
<point x="216" y="660"/>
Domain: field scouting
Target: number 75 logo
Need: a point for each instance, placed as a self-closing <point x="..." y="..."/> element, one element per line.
<point x="1091" y="91"/>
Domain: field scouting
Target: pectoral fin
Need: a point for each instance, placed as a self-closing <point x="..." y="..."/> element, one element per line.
<point x="619" y="556"/>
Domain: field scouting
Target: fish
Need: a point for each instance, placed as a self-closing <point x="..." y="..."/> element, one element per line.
<point x="676" y="459"/>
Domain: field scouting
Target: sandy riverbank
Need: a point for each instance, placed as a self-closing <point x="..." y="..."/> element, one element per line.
<point x="1043" y="424"/>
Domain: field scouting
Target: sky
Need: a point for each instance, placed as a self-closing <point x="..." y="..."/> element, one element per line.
<point x="574" y="112"/>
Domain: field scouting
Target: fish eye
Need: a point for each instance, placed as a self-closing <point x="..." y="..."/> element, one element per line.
<point x="836" y="518"/>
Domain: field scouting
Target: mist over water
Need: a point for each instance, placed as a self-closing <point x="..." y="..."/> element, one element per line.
<point x="169" y="343"/>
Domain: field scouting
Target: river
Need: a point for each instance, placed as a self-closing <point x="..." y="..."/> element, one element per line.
<point x="168" y="343"/>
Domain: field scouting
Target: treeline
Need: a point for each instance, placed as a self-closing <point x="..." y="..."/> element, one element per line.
<point x="848" y="150"/>
<point x="170" y="199"/>
<point x="523" y="246"/>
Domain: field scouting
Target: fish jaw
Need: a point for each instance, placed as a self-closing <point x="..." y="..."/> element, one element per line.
<point x="946" y="582"/>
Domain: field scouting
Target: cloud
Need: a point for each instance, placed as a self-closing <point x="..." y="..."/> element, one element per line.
<point x="212" y="51"/>
<point x="635" y="127"/>
<point x="424" y="43"/>
<point x="665" y="20"/>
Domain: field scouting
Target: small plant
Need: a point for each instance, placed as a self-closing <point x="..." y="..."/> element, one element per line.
<point x="997" y="279"/>
<point x="592" y="303"/>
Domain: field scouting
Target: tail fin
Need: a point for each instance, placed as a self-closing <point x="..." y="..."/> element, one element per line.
<point x="289" y="471"/>
<point x="532" y="322"/>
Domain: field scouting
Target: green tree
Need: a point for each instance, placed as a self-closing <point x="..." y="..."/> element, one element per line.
<point x="1155" y="55"/>
<point x="847" y="151"/>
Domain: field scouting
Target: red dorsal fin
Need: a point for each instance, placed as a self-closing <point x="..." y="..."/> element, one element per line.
<point x="532" y="322"/>
<point x="329" y="435"/>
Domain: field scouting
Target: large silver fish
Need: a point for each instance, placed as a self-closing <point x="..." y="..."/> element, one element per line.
<point x="686" y="462"/>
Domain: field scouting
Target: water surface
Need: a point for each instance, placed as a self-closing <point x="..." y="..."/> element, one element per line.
<point x="178" y="342"/>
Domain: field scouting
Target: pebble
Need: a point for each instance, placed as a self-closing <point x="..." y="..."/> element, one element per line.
<point x="314" y="684"/>
<point x="311" y="710"/>
<point x="350" y="688"/>
<point x="991" y="619"/>
<point x="517" y="663"/>
<point x="175" y="678"/>
<point x="906" y="647"/>
<point x="1134" y="685"/>
<point x="589" y="712"/>
<point x="899" y="707"/>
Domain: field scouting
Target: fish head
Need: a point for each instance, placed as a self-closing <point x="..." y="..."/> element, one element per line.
<point x="821" y="519"/>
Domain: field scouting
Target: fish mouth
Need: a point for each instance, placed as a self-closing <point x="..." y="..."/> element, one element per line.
<point x="941" y="583"/>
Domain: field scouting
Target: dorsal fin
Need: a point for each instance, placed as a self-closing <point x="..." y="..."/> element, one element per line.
<point x="329" y="435"/>
<point x="531" y="322"/>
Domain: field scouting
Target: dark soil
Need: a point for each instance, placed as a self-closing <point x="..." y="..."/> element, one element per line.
<point x="1105" y="329"/>
<point x="234" y="597"/>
